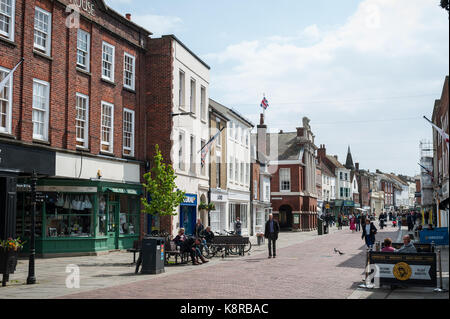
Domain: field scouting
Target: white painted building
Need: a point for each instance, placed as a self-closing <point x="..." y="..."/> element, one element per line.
<point x="236" y="201"/>
<point x="190" y="131"/>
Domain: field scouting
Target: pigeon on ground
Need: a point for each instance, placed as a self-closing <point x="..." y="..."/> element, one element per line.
<point x="337" y="251"/>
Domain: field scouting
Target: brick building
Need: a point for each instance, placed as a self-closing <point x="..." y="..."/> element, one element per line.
<point x="176" y="108"/>
<point x="440" y="118"/>
<point x="293" y="186"/>
<point x="72" y="109"/>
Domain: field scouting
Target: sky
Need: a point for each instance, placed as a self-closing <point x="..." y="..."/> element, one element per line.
<point x="364" y="72"/>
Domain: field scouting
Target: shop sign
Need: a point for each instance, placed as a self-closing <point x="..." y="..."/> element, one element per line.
<point x="15" y="157"/>
<point x="327" y="206"/>
<point x="219" y="197"/>
<point x="190" y="200"/>
<point x="85" y="5"/>
<point x="66" y="189"/>
<point x="349" y="203"/>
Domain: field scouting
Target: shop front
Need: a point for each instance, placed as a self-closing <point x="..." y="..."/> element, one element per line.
<point x="218" y="216"/>
<point x="188" y="214"/>
<point x="80" y="216"/>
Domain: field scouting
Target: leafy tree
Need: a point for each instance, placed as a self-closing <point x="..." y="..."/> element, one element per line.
<point x="160" y="185"/>
<point x="445" y="4"/>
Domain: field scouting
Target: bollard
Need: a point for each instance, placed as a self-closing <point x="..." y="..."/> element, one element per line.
<point x="441" y="288"/>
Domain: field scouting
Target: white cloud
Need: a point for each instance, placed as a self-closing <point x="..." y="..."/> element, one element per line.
<point x="159" y="25"/>
<point x="385" y="49"/>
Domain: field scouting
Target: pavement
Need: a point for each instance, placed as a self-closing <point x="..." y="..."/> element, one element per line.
<point x="306" y="267"/>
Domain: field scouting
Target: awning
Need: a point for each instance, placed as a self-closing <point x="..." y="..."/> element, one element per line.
<point x="129" y="191"/>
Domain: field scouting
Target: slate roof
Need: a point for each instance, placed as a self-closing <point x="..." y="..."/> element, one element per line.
<point x="335" y="162"/>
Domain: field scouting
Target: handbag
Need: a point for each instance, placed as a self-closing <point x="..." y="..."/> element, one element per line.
<point x="60" y="201"/>
<point x="67" y="203"/>
<point x="87" y="203"/>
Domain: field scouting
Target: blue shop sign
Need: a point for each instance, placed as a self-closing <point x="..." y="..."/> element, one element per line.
<point x="190" y="200"/>
<point x="438" y="235"/>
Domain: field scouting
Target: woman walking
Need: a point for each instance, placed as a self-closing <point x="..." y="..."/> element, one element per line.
<point x="369" y="231"/>
<point x="352" y="223"/>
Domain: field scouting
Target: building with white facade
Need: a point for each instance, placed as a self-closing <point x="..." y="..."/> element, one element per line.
<point x="236" y="202"/>
<point x="190" y="131"/>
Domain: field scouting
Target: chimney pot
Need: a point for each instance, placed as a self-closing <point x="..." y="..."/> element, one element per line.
<point x="128" y="16"/>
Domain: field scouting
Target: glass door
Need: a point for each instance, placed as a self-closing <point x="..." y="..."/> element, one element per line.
<point x="113" y="225"/>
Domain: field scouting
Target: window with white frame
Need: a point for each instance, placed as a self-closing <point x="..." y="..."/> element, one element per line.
<point x="108" y="51"/>
<point x="218" y="171"/>
<point x="192" y="100"/>
<point x="5" y="102"/>
<point x="82" y="120"/>
<point x="260" y="219"/>
<point x="42" y="30"/>
<point x="236" y="171"/>
<point x="41" y="101"/>
<point x="203" y="169"/>
<point x="83" y="49"/>
<point x="128" y="132"/>
<point x="203" y="103"/>
<point x="219" y="137"/>
<point x="7" y="13"/>
<point x="129" y="65"/>
<point x="243" y="215"/>
<point x="247" y="174"/>
<point x="232" y="216"/>
<point x="285" y="179"/>
<point x="192" y="154"/>
<point x="231" y="163"/>
<point x="255" y="189"/>
<point x="242" y="173"/>
<point x="180" y="150"/>
<point x="107" y="128"/>
<point x="181" y="89"/>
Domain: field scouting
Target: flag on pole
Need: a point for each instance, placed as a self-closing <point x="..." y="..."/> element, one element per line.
<point x="205" y="149"/>
<point x="9" y="75"/>
<point x="441" y="131"/>
<point x="428" y="171"/>
<point x="264" y="103"/>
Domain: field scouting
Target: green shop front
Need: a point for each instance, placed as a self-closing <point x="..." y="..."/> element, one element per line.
<point x="80" y="216"/>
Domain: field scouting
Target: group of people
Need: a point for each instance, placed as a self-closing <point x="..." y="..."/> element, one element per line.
<point x="194" y="244"/>
<point x="408" y="246"/>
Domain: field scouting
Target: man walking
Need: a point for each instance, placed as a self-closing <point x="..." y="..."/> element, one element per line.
<point x="271" y="233"/>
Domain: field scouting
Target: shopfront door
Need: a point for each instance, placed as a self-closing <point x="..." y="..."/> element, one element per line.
<point x="113" y="225"/>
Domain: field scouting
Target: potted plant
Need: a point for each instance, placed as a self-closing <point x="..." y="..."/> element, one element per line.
<point x="9" y="251"/>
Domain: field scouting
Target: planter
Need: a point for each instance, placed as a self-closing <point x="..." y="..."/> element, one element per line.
<point x="8" y="261"/>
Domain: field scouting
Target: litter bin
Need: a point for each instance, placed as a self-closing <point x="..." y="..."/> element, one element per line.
<point x="152" y="255"/>
<point x="319" y="226"/>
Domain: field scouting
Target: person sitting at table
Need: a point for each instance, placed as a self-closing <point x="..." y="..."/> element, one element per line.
<point x="180" y="238"/>
<point x="388" y="246"/>
<point x="407" y="247"/>
<point x="207" y="234"/>
<point x="191" y="246"/>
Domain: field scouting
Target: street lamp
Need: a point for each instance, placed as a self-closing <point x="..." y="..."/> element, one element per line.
<point x="31" y="277"/>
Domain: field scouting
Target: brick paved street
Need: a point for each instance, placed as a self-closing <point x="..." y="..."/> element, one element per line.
<point x="306" y="267"/>
<point x="309" y="269"/>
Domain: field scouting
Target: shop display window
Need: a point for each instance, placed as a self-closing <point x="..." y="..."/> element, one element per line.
<point x="129" y="215"/>
<point x="24" y="211"/>
<point x="69" y="215"/>
<point x="102" y="216"/>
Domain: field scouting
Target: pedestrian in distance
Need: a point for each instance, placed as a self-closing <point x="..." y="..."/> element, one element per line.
<point x="368" y="234"/>
<point x="339" y="221"/>
<point x="409" y="221"/>
<point x="271" y="233"/>
<point x="381" y="219"/>
<point x="352" y="223"/>
<point x="238" y="226"/>
<point x="358" y="222"/>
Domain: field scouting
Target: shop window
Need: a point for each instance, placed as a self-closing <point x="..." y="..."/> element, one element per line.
<point x="243" y="215"/>
<point x="23" y="219"/>
<point x="69" y="215"/>
<point x="129" y="215"/>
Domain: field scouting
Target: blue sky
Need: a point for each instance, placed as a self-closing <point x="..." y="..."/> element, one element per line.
<point x="364" y="72"/>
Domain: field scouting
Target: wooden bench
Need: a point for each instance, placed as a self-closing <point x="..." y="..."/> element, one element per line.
<point x="171" y="250"/>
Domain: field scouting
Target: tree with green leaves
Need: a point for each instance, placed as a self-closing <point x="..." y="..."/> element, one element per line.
<point x="162" y="189"/>
<point x="445" y="4"/>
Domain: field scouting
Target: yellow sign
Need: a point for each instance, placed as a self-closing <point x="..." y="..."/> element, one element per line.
<point x="327" y="206"/>
<point x="402" y="271"/>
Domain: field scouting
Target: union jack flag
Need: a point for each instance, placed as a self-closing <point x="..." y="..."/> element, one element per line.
<point x="264" y="103"/>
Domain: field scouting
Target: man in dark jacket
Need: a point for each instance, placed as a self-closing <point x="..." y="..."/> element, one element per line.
<point x="271" y="233"/>
<point x="198" y="228"/>
<point x="369" y="231"/>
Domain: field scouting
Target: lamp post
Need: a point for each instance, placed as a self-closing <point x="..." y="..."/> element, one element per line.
<point x="31" y="277"/>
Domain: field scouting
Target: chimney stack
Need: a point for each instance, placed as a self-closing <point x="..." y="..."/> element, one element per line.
<point x="357" y="166"/>
<point x="322" y="151"/>
<point x="128" y="16"/>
